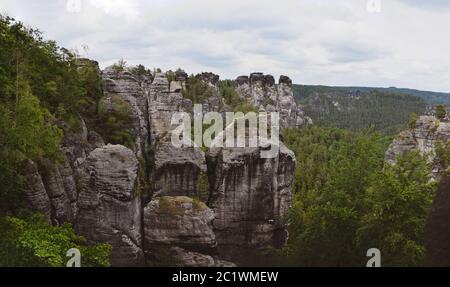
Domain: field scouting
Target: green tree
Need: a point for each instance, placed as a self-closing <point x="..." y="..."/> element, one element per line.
<point x="92" y="92"/>
<point x="30" y="241"/>
<point x="197" y="90"/>
<point x="441" y="111"/>
<point x="443" y="154"/>
<point x="31" y="132"/>
<point x="355" y="202"/>
<point x="120" y="66"/>
<point x="140" y="71"/>
<point x="25" y="133"/>
<point x="115" y="123"/>
<point x="412" y="121"/>
<point x="400" y="197"/>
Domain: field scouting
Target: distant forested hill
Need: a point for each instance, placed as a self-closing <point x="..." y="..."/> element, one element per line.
<point x="355" y="109"/>
<point x="304" y="91"/>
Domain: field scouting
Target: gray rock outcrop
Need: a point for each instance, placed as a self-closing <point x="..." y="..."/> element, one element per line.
<point x="109" y="204"/>
<point x="125" y="86"/>
<point x="426" y="134"/>
<point x="141" y="201"/>
<point x="179" y="221"/>
<point x="261" y="91"/>
<point x="36" y="196"/>
<point x="177" y="170"/>
<point x="250" y="196"/>
<point x="194" y="259"/>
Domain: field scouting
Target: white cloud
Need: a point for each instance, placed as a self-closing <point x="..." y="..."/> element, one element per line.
<point x="315" y="42"/>
<point x="118" y="8"/>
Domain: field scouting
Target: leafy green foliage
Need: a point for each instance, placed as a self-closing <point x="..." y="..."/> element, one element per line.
<point x="25" y="132"/>
<point x="91" y="83"/>
<point x="114" y="123"/>
<point x="196" y="90"/>
<point x="441" y="111"/>
<point x="313" y="146"/>
<point x="412" y="121"/>
<point x="27" y="59"/>
<point x="31" y="241"/>
<point x="400" y="197"/>
<point x="228" y="93"/>
<point x="140" y="71"/>
<point x="443" y="154"/>
<point x="31" y="133"/>
<point x="120" y="66"/>
<point x="347" y="201"/>
<point x="40" y="85"/>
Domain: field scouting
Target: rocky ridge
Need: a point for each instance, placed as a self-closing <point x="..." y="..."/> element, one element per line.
<point x="155" y="201"/>
<point x="426" y="134"/>
<point x="262" y="92"/>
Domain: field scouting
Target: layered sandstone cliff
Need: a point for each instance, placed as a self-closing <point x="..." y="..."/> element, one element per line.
<point x="155" y="200"/>
<point x="427" y="133"/>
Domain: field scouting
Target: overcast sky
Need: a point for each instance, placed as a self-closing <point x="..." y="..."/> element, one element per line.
<point x="330" y="42"/>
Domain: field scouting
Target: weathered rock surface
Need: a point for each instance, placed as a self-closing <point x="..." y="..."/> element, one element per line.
<point x="261" y="91"/>
<point x="177" y="170"/>
<point x="60" y="189"/>
<point x="183" y="226"/>
<point x="128" y="88"/>
<point x="250" y="196"/>
<point x="163" y="103"/>
<point x="173" y="171"/>
<point x="109" y="206"/>
<point x="424" y="137"/>
<point x="194" y="259"/>
<point x="179" y="221"/>
<point x="35" y="194"/>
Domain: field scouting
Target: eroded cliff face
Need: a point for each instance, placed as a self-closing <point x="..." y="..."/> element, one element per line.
<point x="109" y="206"/>
<point x="250" y="196"/>
<point x="155" y="201"/>
<point x="424" y="137"/>
<point x="262" y="92"/>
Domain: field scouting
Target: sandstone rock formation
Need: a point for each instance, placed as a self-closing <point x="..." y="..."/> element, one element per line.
<point x="428" y="131"/>
<point x="194" y="259"/>
<point x="177" y="170"/>
<point x="128" y="88"/>
<point x="109" y="203"/>
<point x="35" y="194"/>
<point x="250" y="196"/>
<point x="201" y="209"/>
<point x="262" y="92"/>
<point x="178" y="222"/>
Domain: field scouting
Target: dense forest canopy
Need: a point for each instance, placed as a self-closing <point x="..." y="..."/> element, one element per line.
<point x="347" y="200"/>
<point x="435" y="98"/>
<point x="354" y="110"/>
